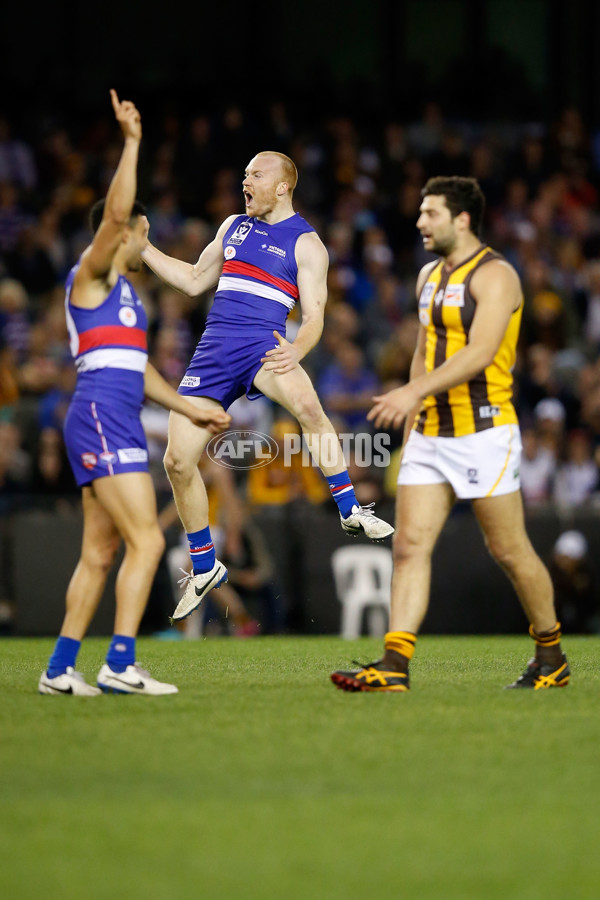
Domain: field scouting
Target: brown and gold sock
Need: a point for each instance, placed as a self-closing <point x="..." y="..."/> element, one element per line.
<point x="399" y="648"/>
<point x="547" y="645"/>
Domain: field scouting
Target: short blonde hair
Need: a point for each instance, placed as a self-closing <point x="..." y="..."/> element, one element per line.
<point x="288" y="167"/>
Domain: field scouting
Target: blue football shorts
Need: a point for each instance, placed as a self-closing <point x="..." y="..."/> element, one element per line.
<point x="102" y="440"/>
<point x="224" y="368"/>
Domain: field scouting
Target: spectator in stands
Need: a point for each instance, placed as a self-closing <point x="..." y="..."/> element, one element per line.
<point x="9" y="383"/>
<point x="549" y="416"/>
<point x="538" y="467"/>
<point x="347" y="387"/>
<point x="15" y="322"/>
<point x="52" y="482"/>
<point x="577" y="476"/>
<point x="54" y="403"/>
<point x="575" y="584"/>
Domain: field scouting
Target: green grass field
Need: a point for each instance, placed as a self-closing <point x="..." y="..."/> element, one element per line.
<point x="261" y="780"/>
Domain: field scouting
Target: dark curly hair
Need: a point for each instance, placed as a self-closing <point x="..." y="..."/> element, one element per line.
<point x="461" y="195"/>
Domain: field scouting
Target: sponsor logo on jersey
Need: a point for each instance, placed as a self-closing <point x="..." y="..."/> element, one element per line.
<point x="270" y="248"/>
<point x="241" y="233"/>
<point x="455" y="295"/>
<point x="488" y="412"/>
<point x="89" y="460"/>
<point x="424" y="317"/>
<point x="128" y="316"/>
<point x="265" y="233"/>
<point x="472" y="475"/>
<point x="229" y="252"/>
<point x="190" y="381"/>
<point x="132" y="455"/>
<point x="107" y="457"/>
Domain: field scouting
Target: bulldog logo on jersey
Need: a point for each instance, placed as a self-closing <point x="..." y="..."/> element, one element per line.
<point x="89" y="460"/>
<point x="127" y="316"/>
<point x="229" y="252"/>
<point x="241" y="233"/>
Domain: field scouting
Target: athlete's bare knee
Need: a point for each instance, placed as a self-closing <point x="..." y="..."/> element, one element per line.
<point x="310" y="414"/>
<point x="149" y="542"/>
<point x="407" y="547"/>
<point x="101" y="556"/>
<point x="509" y="555"/>
<point x="177" y="466"/>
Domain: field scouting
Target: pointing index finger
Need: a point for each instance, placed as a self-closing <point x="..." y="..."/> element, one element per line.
<point x="115" y="100"/>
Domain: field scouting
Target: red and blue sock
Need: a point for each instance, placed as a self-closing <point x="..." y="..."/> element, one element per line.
<point x="202" y="551"/>
<point x="342" y="491"/>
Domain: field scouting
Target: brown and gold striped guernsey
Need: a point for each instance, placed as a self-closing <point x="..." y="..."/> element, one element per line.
<point x="446" y="310"/>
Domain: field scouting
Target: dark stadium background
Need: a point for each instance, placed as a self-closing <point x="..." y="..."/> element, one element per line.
<point x="507" y="58"/>
<point x="510" y="66"/>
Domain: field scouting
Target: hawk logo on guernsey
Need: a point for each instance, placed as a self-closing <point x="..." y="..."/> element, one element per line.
<point x="241" y="233"/>
<point x="89" y="460"/>
<point x="127" y="316"/>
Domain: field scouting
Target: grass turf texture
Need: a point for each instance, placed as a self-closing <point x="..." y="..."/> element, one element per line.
<point x="261" y="780"/>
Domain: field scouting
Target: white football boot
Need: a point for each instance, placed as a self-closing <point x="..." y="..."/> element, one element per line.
<point x="134" y="680"/>
<point x="70" y="682"/>
<point x="362" y="518"/>
<point x="196" y="589"/>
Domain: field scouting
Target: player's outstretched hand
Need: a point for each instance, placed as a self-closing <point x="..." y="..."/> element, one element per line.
<point x="282" y="358"/>
<point x="215" y="420"/>
<point x="389" y="410"/>
<point x="127" y="116"/>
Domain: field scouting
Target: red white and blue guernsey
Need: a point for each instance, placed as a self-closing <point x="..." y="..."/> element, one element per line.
<point x="103" y="432"/>
<point x="256" y="292"/>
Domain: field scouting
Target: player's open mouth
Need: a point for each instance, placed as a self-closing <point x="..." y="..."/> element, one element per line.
<point x="247" y="197"/>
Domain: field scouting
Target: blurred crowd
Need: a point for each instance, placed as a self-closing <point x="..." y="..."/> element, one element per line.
<point x="359" y="186"/>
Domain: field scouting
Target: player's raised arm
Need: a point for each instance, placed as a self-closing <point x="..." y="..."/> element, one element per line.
<point x="97" y="260"/>
<point x="184" y="277"/>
